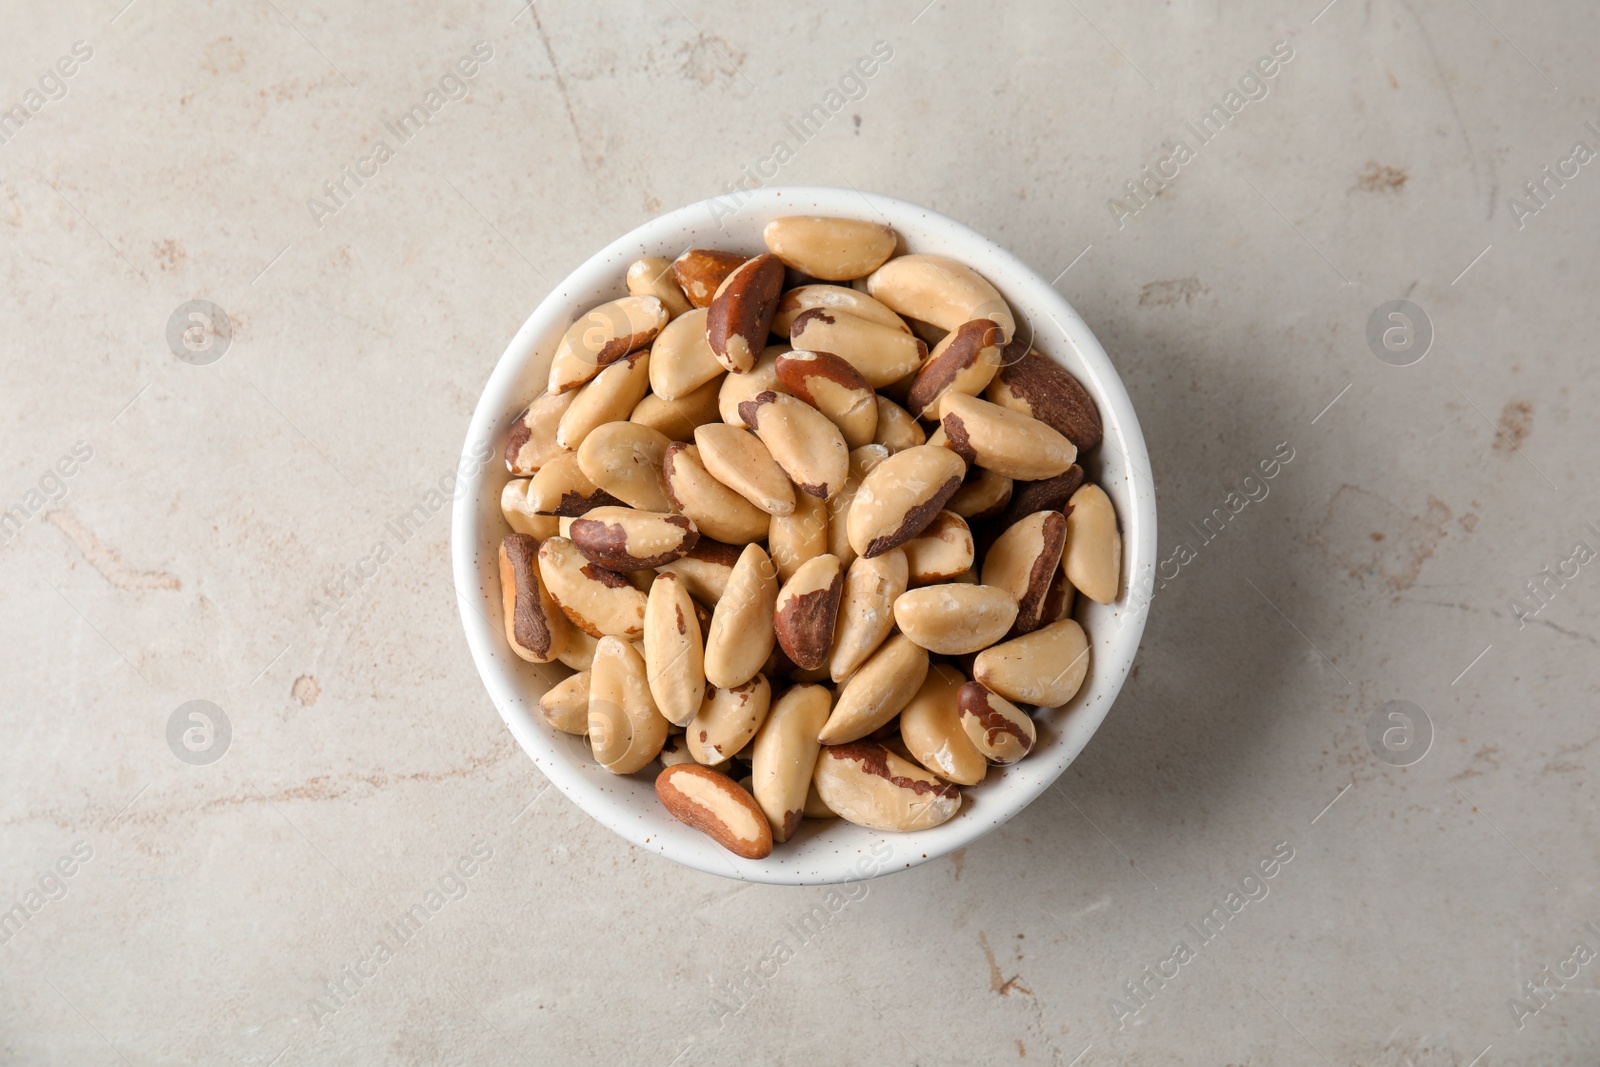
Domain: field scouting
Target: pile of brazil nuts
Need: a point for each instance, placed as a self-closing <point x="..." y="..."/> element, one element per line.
<point x="808" y="528"/>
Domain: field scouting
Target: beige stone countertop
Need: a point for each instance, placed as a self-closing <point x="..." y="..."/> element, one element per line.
<point x="1231" y="194"/>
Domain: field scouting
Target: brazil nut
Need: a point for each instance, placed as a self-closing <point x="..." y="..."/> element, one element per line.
<point x="602" y="336"/>
<point x="610" y="397"/>
<point x="862" y="461"/>
<point x="864" y="783"/>
<point x="784" y="755"/>
<point x="625" y="539"/>
<point x="674" y="651"/>
<point x="806" y="609"/>
<point x="1045" y="667"/>
<point x="652" y="276"/>
<point x="939" y="290"/>
<point x="676" y="419"/>
<point x="941" y="551"/>
<point x="727" y="719"/>
<point x="998" y="729"/>
<point x="681" y="359"/>
<point x="595" y="600"/>
<point x="897" y="430"/>
<point x="531" y="441"/>
<point x="877" y="691"/>
<point x="535" y="628"/>
<point x="802" y="440"/>
<point x="740" y="314"/>
<point x="835" y="388"/>
<point x="700" y="272"/>
<point x="800" y="536"/>
<point x="625" y="729"/>
<point x="717" y="511"/>
<point x="1004" y="441"/>
<point x="866" y="610"/>
<point x="832" y="298"/>
<point x="1024" y="560"/>
<point x="901" y="496"/>
<point x="832" y="249"/>
<point x="718" y="807"/>
<point x="965" y="361"/>
<point x="624" y="459"/>
<point x="931" y="728"/>
<point x="742" y="462"/>
<point x="1093" y="554"/>
<point x="741" y="635"/>
<point x="737" y="388"/>
<point x="565" y="705"/>
<point x="882" y="354"/>
<point x="1038" y="386"/>
<point x="955" y="618"/>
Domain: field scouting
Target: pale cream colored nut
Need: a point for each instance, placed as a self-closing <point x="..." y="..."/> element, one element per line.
<point x="816" y="807"/>
<point x="807" y="607"/>
<point x="931" y="728"/>
<point x="784" y="755"/>
<point x="580" y="649"/>
<point x="741" y="635"/>
<point x="832" y="298"/>
<point x="876" y="692"/>
<point x="881" y="353"/>
<point x="674" y="651"/>
<point x="565" y="705"/>
<point x="610" y="397"/>
<point x="699" y="272"/>
<point x="940" y="291"/>
<point x="862" y="461"/>
<point x="983" y="495"/>
<point x="998" y="729"/>
<point x="739" y="460"/>
<point x="652" y="276"/>
<point x="625" y="729"/>
<point x="601" y="337"/>
<point x="625" y="539"/>
<point x="561" y="488"/>
<point x="520" y="514"/>
<point x="596" y="600"/>
<point x="836" y="389"/>
<point x="740" y="315"/>
<point x="675" y="751"/>
<point x="955" y="618"/>
<point x="938" y="439"/>
<point x="941" y="551"/>
<point x="727" y="719"/>
<point x="1023" y="560"/>
<point x="865" y="783"/>
<point x="866" y="610"/>
<point x="718" y="807"/>
<point x="794" y="539"/>
<point x="1004" y="441"/>
<point x="624" y="459"/>
<point x="717" y="511"/>
<point x="535" y="628"/>
<point x="897" y="430"/>
<point x="677" y="419"/>
<point x="706" y="570"/>
<point x="531" y="441"/>
<point x="681" y="360"/>
<point x="964" y="362"/>
<point x="1092" y="557"/>
<point x="833" y="249"/>
<point x="900" y="496"/>
<point x="1047" y="494"/>
<point x="737" y="388"/>
<point x="1037" y="385"/>
<point x="1045" y="667"/>
<point x="802" y="440"/>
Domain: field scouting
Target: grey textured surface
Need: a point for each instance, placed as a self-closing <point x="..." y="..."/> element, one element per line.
<point x="191" y="557"/>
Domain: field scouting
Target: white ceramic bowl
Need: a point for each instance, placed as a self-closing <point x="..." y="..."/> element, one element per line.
<point x="828" y="851"/>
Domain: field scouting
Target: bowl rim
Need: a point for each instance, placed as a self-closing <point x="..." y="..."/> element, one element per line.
<point x="563" y="758"/>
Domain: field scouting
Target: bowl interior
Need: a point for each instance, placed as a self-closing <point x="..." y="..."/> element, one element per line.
<point x="824" y="851"/>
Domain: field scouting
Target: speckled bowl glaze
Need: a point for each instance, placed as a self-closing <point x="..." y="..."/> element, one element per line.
<point x="831" y="851"/>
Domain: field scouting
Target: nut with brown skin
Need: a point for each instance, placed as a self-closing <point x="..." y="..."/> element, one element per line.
<point x="727" y="719"/>
<point x="866" y="610"/>
<point x="897" y="430"/>
<point x="737" y="388"/>
<point x="930" y="727"/>
<point x="941" y="551"/>
<point x="718" y="807"/>
<point x="832" y="249"/>
<point x="741" y="635"/>
<point x="1045" y="667"/>
<point x="681" y="359"/>
<point x="1092" y="557"/>
<point x="531" y="441"/>
<point x="740" y="315"/>
<point x="802" y="440"/>
<point x="939" y="290"/>
<point x="739" y="460"/>
<point x="900" y="497"/>
<point x="625" y="729"/>
<point x="784" y="755"/>
<point x="624" y="459"/>
<point x="700" y="272"/>
<point x="610" y="397"/>
<point x="561" y="488"/>
<point x="877" y="691"/>
<point x="1004" y="441"/>
<point x="676" y="419"/>
<point x="652" y="276"/>
<point x="864" y="783"/>
<point x="595" y="600"/>
<point x="882" y="354"/>
<point x="997" y="728"/>
<point x="794" y="539"/>
<point x="862" y="460"/>
<point x="964" y="362"/>
<point x="535" y="628"/>
<point x="804" y="614"/>
<point x="624" y="539"/>
<point x="674" y="651"/>
<point x="1024" y="560"/>
<point x="565" y="705"/>
<point x="1049" y="494"/>
<point x="706" y="570"/>
<point x="602" y="336"/>
<point x="983" y="495"/>
<point x="1038" y="386"/>
<point x="955" y="618"/>
<point x="835" y="388"/>
<point x="832" y="298"/>
<point x="717" y="511"/>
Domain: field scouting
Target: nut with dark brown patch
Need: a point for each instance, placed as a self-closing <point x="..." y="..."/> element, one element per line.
<point x="784" y="755"/>
<point x="717" y="511"/>
<point x="807" y="606"/>
<point x="624" y="539"/>
<point x="596" y="600"/>
<point x="882" y="354"/>
<point x="1038" y="386"/>
<point x="1024" y="560"/>
<point x="740" y="315"/>
<point x="941" y="551"/>
<point x="930" y="727"/>
<point x="955" y="618"/>
<point x="625" y="729"/>
<point x="727" y="719"/>
<point x="864" y="783"/>
<point x="718" y="807"/>
<point x="802" y="440"/>
<point x="835" y="388"/>
<point x="877" y="691"/>
<point x="832" y="298"/>
<point x="900" y="497"/>
<point x="652" y="276"/>
<point x="1004" y="441"/>
<point x="624" y="459"/>
<point x="535" y="628"/>
<point x="997" y="728"/>
<point x="602" y="336"/>
<point x="1048" y="494"/>
<point x="561" y="488"/>
<point x="701" y="271"/>
<point x="706" y="570"/>
<point x="739" y="460"/>
<point x="737" y="388"/>
<point x="832" y="249"/>
<point x="965" y="361"/>
<point x="531" y="441"/>
<point x="741" y="635"/>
